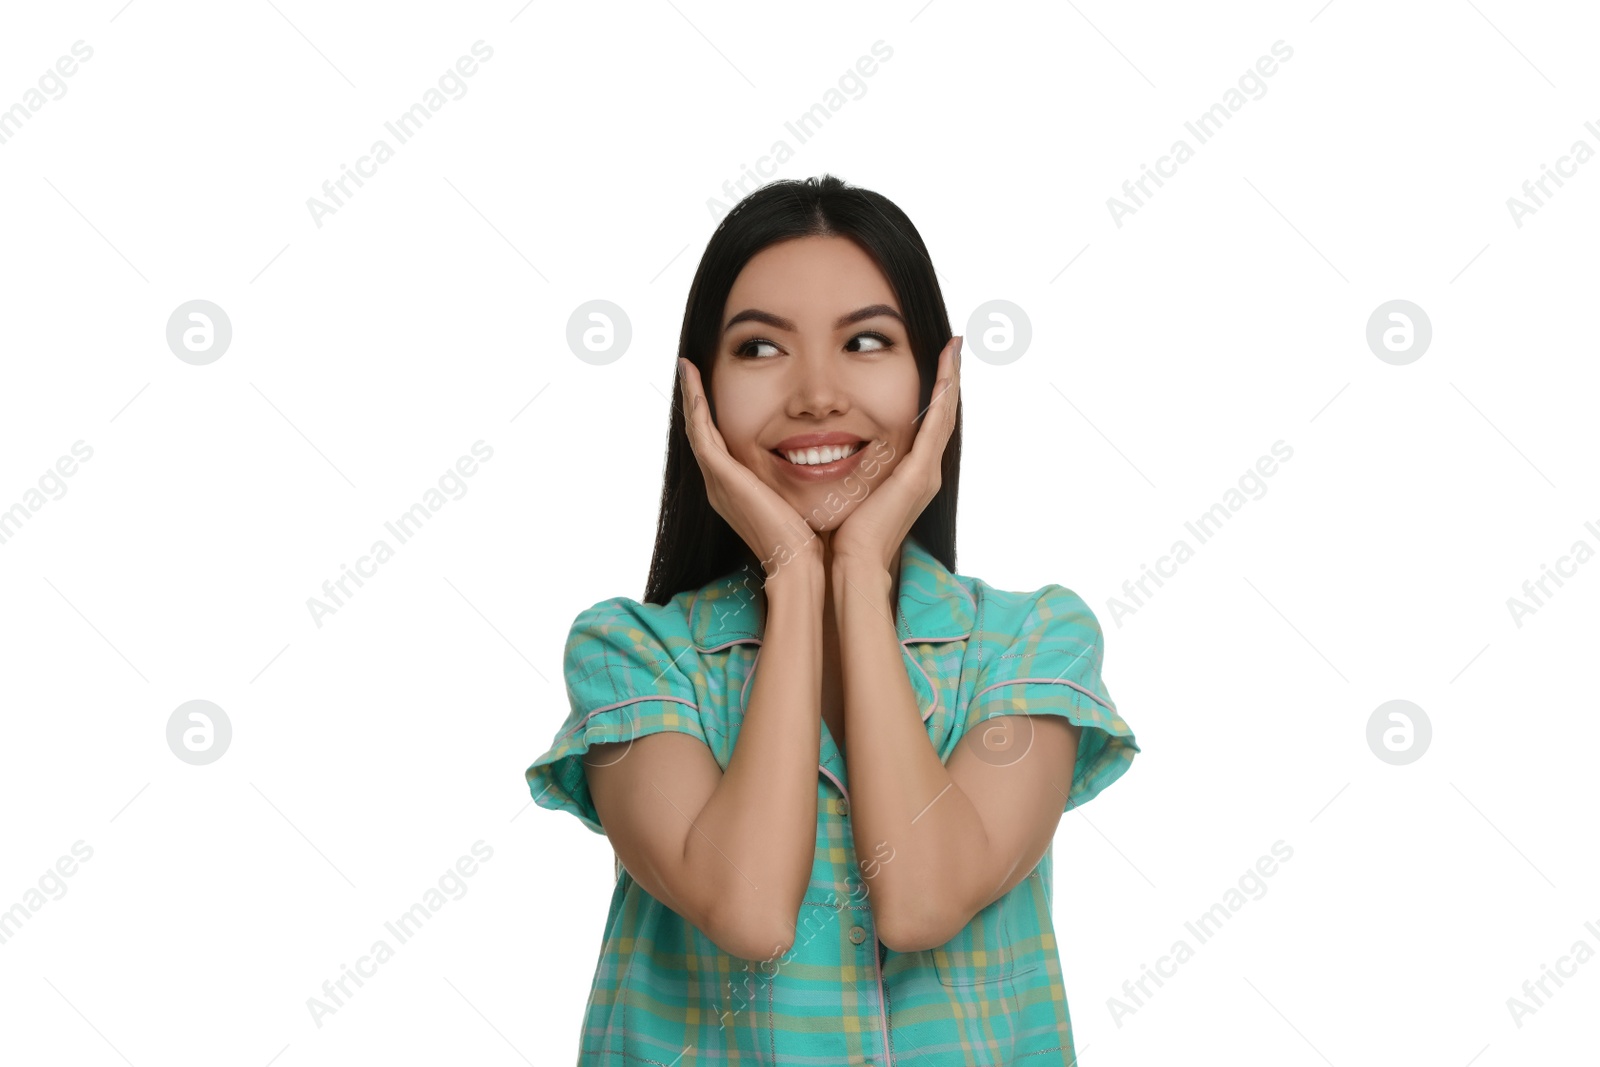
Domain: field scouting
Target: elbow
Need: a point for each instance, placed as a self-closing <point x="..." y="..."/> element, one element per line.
<point x="914" y="929"/>
<point x="747" y="931"/>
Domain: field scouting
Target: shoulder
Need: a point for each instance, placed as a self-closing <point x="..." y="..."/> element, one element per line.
<point x="1052" y="613"/>
<point x="1047" y="635"/>
<point x="633" y="644"/>
<point x="1042" y="652"/>
<point x="620" y="613"/>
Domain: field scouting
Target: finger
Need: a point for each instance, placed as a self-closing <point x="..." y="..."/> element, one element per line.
<point x="942" y="405"/>
<point x="704" y="436"/>
<point x="691" y="423"/>
<point x="687" y="388"/>
<point x="956" y="391"/>
<point x="940" y="374"/>
<point x="684" y="395"/>
<point x="948" y="368"/>
<point x="927" y="447"/>
<point x="950" y="389"/>
<point x="707" y="422"/>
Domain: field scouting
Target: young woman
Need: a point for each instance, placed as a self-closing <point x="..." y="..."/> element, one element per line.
<point x="842" y="857"/>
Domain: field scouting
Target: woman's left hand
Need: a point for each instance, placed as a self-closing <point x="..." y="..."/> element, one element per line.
<point x="872" y="533"/>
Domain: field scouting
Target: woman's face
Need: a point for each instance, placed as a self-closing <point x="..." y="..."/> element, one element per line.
<point x="813" y="343"/>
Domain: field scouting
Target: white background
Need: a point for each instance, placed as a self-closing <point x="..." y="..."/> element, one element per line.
<point x="1168" y="354"/>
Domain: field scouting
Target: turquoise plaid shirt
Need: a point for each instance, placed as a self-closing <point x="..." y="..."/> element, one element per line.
<point x="663" y="993"/>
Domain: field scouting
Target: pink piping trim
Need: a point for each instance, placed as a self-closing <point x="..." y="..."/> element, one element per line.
<point x="1047" y="681"/>
<point x="882" y="1013"/>
<point x="931" y="641"/>
<point x="931" y="687"/>
<point x="729" y="644"/>
<point x="693" y="602"/>
<point x="630" y="700"/>
<point x="744" y="690"/>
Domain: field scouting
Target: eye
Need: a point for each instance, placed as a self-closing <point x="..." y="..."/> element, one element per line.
<point x="884" y="343"/>
<point x="743" y="351"/>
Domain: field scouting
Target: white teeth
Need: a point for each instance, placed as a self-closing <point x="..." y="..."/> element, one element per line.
<point x="807" y="457"/>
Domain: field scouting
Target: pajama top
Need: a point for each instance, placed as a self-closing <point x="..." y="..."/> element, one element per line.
<point x="663" y="993"/>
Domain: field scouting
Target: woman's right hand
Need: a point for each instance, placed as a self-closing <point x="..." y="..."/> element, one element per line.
<point x="765" y="521"/>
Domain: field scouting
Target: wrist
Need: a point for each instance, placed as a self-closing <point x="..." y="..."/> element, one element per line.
<point x="852" y="576"/>
<point x="803" y="569"/>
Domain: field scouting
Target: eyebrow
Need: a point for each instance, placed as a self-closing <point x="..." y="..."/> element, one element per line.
<point x="780" y="323"/>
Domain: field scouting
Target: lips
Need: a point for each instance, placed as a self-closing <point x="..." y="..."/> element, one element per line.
<point x="815" y="455"/>
<point x="821" y="472"/>
<point x="816" y="440"/>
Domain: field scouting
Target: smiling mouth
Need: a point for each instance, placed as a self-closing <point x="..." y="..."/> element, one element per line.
<point x="820" y="456"/>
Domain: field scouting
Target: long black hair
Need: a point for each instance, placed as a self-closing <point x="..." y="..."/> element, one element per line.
<point x="694" y="544"/>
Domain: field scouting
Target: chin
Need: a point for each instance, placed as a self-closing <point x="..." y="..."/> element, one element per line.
<point x="825" y="514"/>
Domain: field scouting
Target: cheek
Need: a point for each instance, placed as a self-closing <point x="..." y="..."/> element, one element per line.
<point x="904" y="436"/>
<point x="738" y="420"/>
<point x="894" y="459"/>
<point x="897" y="419"/>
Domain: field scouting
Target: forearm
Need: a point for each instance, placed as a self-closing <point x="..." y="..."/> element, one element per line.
<point x="759" y="826"/>
<point x="900" y="793"/>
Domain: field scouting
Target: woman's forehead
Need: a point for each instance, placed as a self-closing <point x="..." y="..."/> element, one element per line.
<point x="810" y="287"/>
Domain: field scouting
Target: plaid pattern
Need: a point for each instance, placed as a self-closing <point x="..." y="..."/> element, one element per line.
<point x="663" y="993"/>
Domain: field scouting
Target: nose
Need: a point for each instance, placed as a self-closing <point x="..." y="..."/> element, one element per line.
<point x="817" y="390"/>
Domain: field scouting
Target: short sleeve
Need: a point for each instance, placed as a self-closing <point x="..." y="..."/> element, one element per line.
<point x="628" y="668"/>
<point x="1051" y="665"/>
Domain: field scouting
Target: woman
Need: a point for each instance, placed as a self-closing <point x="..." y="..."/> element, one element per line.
<point x="844" y="855"/>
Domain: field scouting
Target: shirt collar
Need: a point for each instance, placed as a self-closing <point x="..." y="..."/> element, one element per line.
<point x="934" y="605"/>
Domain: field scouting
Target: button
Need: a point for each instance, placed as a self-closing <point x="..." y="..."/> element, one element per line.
<point x="857" y="935"/>
<point x="844" y="807"/>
